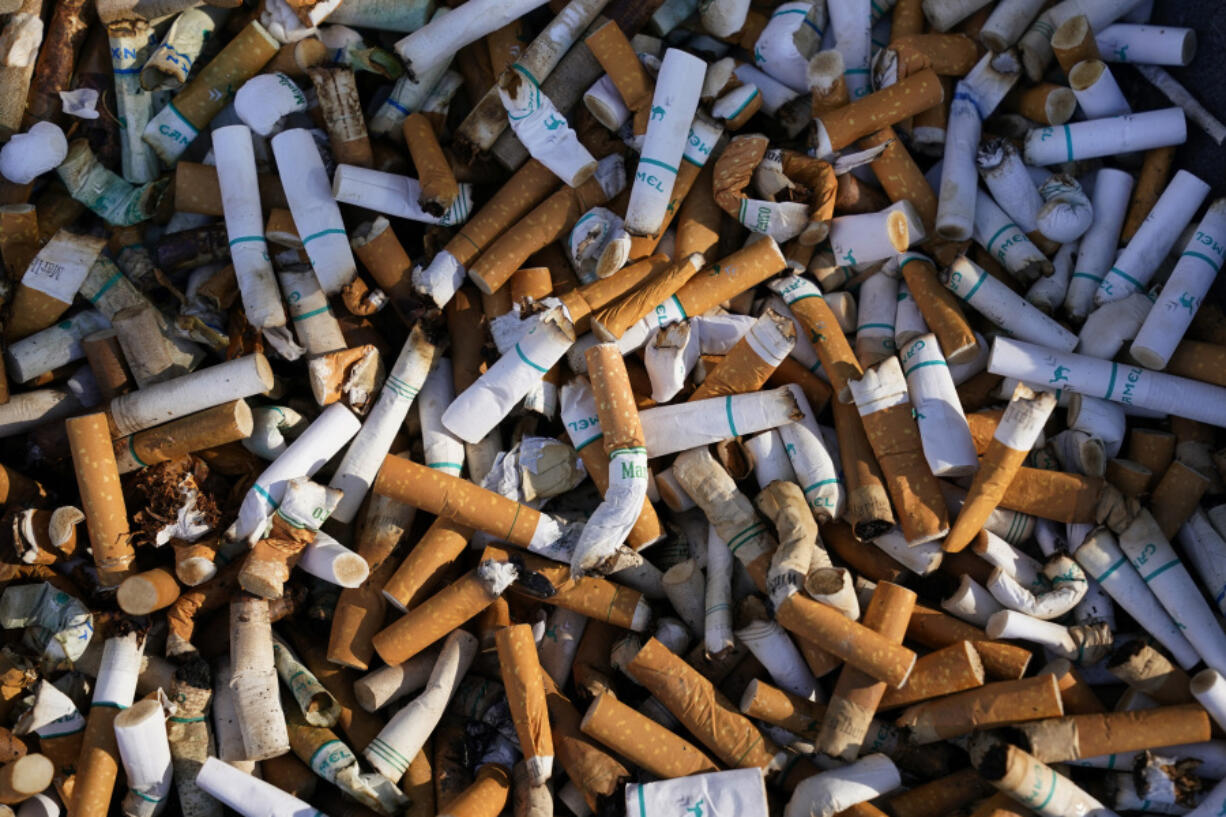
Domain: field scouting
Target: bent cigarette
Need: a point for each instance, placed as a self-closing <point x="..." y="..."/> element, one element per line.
<point x="986" y="707"/>
<point x="1091" y="735"/>
<point x="522" y="680"/>
<point x="943" y="428"/>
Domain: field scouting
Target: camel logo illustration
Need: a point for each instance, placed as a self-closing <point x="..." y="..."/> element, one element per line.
<point x="695" y="809"/>
<point x="1060" y="374"/>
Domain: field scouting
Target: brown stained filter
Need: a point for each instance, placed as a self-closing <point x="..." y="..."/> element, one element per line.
<point x="616" y="56"/>
<point x="935" y="798"/>
<point x="433" y="619"/>
<point x="589" y="298"/>
<point x="1176" y="496"/>
<point x="868" y="502"/>
<point x="106" y="361"/>
<point x="70" y="23"/>
<point x="380" y="251"/>
<point x="1106" y="733"/>
<point x="527" y="188"/>
<point x="486" y="797"/>
<point x="440" y="546"/>
<point x="955" y="668"/>
<point x="699" y="216"/>
<point x="1155" y="173"/>
<point x="521" y="678"/>
<point x="1149" y="671"/>
<point x="1073" y="42"/>
<point x="463" y="314"/>
<point x="204" y="96"/>
<point x="935" y="629"/>
<point x="280" y="228"/>
<point x="337" y="92"/>
<point x="19" y="238"/>
<point x="106" y="516"/>
<point x="949" y="55"/>
<point x="730" y="736"/>
<point x="1003" y="703"/>
<point x="97" y="766"/>
<point x="856" y="695"/>
<point x="1078" y="697"/>
<point x="439" y="188"/>
<point x="196" y="189"/>
<point x="619" y="417"/>
<point x="549" y="221"/>
<point x="901" y="178"/>
<point x="882" y="108"/>
<point x="1130" y="478"/>
<point x="147" y="592"/>
<point x="916" y="494"/>
<point x="219" y="425"/>
<point x="1046" y="103"/>
<point x="611" y="322"/>
<point x="856" y="644"/>
<point x="732" y="275"/>
<point x="1152" y="449"/>
<point x="997" y="468"/>
<point x="456" y="499"/>
<point x="827" y="84"/>
<point x="1056" y="495"/>
<point x="1001" y="805"/>
<point x="11" y="747"/>
<point x="642" y="741"/>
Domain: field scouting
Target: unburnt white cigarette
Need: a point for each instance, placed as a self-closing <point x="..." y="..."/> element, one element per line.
<point x="265" y="101"/>
<point x="404" y="735"/>
<point x="866" y="237"/>
<point x="316" y="214"/>
<point x="240" y="198"/>
<point x="1008" y="180"/>
<point x="975" y="97"/>
<point x="1066" y="213"/>
<point x="1048" y="293"/>
<point x="972" y="602"/>
<point x="140" y="734"/>
<point x="394" y="195"/>
<point x="1206" y="549"/>
<point x="321" y="440"/>
<point x="945" y="14"/>
<point x="55" y="346"/>
<point x="815" y="468"/>
<point x="946" y="436"/>
<point x="1005" y="241"/>
<point x="1137" y="263"/>
<point x="327" y="559"/>
<point x="390" y="683"/>
<point x="851" y="23"/>
<point x="837" y="790"/>
<point x="1035" y="44"/>
<point x="717" y="599"/>
<point x="1004" y="307"/>
<point x="1184" y="291"/>
<point x="1149" y="45"/>
<point x="1209" y="688"/>
<point x="443" y="36"/>
<point x="1098" y="94"/>
<point x="775" y="50"/>
<point x="26" y="156"/>
<point x="171" y="399"/>
<point x="365" y="455"/>
<point x="1181" y="96"/>
<point x="1097" y="248"/>
<point x="770" y="458"/>
<point x="923" y="558"/>
<point x="1135" y="387"/>
<point x="476" y="411"/>
<point x="1164" y="573"/>
<point x="673" y="105"/>
<point x="1105" y="137"/>
<point x="248" y="795"/>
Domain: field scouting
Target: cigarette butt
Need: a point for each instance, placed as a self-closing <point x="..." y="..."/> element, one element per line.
<point x="726" y="733"/>
<point x="1107" y="733"/>
<point x="1078" y="697"/>
<point x="871" y="563"/>
<point x="642" y="741"/>
<point x="1029" y="781"/>
<point x="1047" y="103"/>
<point x="527" y="188"/>
<point x="1153" y="449"/>
<point x="101" y="498"/>
<point x="1057" y="495"/>
<point x="842" y="126"/>
<point x="837" y="358"/>
<point x="530" y="282"/>
<point x="828" y="88"/>
<point x="1131" y="478"/>
<point x="106" y="361"/>
<point x="941" y="796"/>
<point x="816" y="390"/>
<point x="210" y="428"/>
<point x="612" y="321"/>
<point x="442" y="543"/>
<point x="293" y="59"/>
<point x="698" y="220"/>
<point x="955" y="668"/>
<point x="1176" y="496"/>
<point x="521" y="678"/>
<point x="1073" y="42"/>
<point x="750" y="363"/>
<point x="856" y="644"/>
<point x="857" y="695"/>
<point x="1199" y="361"/>
<point x="900" y="177"/>
<point x="1155" y="172"/>
<point x="25" y="777"/>
<point x="1149" y="671"/>
<point x="440" y="614"/>
<point x="583" y="301"/>
<point x="992" y="705"/>
<point x="375" y="244"/>
<point x="147" y="592"/>
<point x="617" y="57"/>
<point x="486" y="797"/>
<point x="50" y="282"/>
<point x="935" y="629"/>
<point x="439" y="188"/>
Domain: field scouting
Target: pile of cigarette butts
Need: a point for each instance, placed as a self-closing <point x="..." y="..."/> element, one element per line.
<point x="659" y="408"/>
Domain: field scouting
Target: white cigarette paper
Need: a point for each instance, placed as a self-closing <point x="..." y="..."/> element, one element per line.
<point x="944" y="432"/>
<point x="1105" y="137"/>
<point x="673" y="428"/>
<point x="1004" y="307"/>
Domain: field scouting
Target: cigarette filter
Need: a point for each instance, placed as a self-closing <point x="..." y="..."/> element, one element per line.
<point x="210" y="428"/>
<point x="1005" y="308"/>
<point x="992" y="705"/>
<point x="245" y="793"/>
<point x="955" y="668"/>
<point x="739" y="791"/>
<point x="935" y="629"/>
<point x="643" y="741"/>
<point x="98" y="765"/>
<point x="841" y="790"/>
<point x="397" y="195"/>
<point x="835" y="353"/>
<point x="101" y="497"/>
<point x="522" y="679"/>
<point x="261" y="720"/>
<point x="946" y="437"/>
<point x="841" y="127"/>
<point x="1091" y="735"/>
<point x="50" y="282"/>
<point x="856" y="644"/>
<point x="1032" y="783"/>
<point x="678" y="427"/>
<point x="140" y="735"/>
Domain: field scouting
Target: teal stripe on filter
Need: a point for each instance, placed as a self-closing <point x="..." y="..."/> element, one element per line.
<point x="1123" y="561"/>
<point x="924" y="363"/>
<point x="107" y="284"/>
<point x="1127" y="277"/>
<point x="311" y="314"/>
<point x="525" y="359"/>
<point x="1161" y="570"/>
<point x="322" y="233"/>
<point x="1194" y="254"/>
<point x="967" y="297"/>
<point x="657" y="163"/>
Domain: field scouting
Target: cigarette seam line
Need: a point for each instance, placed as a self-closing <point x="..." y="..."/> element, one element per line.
<point x="996" y="235"/>
<point x="321" y="233"/>
<point x="608" y="616"/>
<point x="645" y="161"/>
<point x="1126" y="277"/>
<point x="311" y="314"/>
<point x="110" y="282"/>
<point x="748" y="749"/>
<point x="728" y="411"/>
<point x="1163" y="569"/>
<point x="588" y="441"/>
<point x="514" y="519"/>
<point x="525" y="359"/>
<point x="924" y="363"/>
<point x="132" y="451"/>
<point x="1123" y="561"/>
<point x="1203" y="257"/>
<point x="1111" y="382"/>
